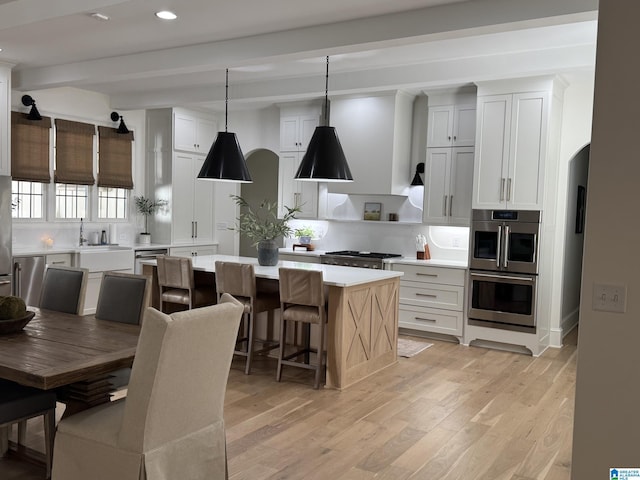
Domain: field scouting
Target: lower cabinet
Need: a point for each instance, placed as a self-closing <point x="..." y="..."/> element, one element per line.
<point x="59" y="259"/>
<point x="193" y="251"/>
<point x="432" y="299"/>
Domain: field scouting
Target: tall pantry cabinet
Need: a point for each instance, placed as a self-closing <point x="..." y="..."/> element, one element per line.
<point x="174" y="161"/>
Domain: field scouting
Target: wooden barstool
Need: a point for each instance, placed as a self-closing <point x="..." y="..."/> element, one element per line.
<point x="239" y="280"/>
<point x="177" y="284"/>
<point x="302" y="300"/>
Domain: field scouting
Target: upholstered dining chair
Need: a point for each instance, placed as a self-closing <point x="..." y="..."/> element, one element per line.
<point x="63" y="289"/>
<point x="302" y="300"/>
<point x="171" y="425"/>
<point x="239" y="280"/>
<point x="123" y="297"/>
<point x="177" y="284"/>
<point x="18" y="404"/>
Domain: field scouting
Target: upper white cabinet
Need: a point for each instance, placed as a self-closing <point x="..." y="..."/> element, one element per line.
<point x="511" y="145"/>
<point x="297" y="124"/>
<point x="296" y="131"/>
<point x="449" y="180"/>
<point x="193" y="132"/>
<point x="5" y="92"/>
<point x="172" y="175"/>
<point x="451" y="126"/>
<point x="375" y="133"/>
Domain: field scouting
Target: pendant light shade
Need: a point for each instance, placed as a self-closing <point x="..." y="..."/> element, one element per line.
<point x="324" y="160"/>
<point x="225" y="161"/>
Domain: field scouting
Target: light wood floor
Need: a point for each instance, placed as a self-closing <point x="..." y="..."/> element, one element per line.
<point x="450" y="412"/>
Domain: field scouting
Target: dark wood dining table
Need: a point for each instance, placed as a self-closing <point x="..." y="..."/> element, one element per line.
<point x="59" y="349"/>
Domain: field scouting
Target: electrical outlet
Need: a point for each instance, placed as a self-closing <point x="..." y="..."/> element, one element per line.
<point x="221" y="226"/>
<point x="609" y="298"/>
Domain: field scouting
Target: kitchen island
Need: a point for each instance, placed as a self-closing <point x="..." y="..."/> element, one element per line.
<point x="362" y="329"/>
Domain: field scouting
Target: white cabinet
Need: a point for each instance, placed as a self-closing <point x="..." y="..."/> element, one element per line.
<point x="432" y="299"/>
<point x="451" y="126"/>
<point x="193" y="133"/>
<point x="511" y="142"/>
<point x="297" y="124"/>
<point x="293" y="192"/>
<point x="296" y="131"/>
<point x="448" y="175"/>
<point x="193" y="251"/>
<point x="375" y="133"/>
<point x="172" y="175"/>
<point x="192" y="205"/>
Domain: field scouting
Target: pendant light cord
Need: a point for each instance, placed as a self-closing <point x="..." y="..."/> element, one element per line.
<point x="226" y="100"/>
<point x="326" y="95"/>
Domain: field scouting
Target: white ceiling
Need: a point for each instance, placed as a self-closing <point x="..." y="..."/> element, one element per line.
<point x="276" y="49"/>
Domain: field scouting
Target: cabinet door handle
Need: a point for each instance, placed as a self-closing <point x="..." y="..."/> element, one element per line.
<point x="502" y="189"/>
<point x="444" y="207"/>
<point x="426" y="319"/>
<point x="192" y="229"/>
<point x="450" y="205"/>
<point x="449" y="137"/>
<point x="196" y="224"/>
<point x="455" y="138"/>
<point x="508" y="189"/>
<point x="61" y="262"/>
<point x="426" y="274"/>
<point x="430" y="295"/>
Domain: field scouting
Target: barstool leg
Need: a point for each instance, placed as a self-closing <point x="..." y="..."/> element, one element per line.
<point x="247" y="368"/>
<point x="283" y="334"/>
<point x="320" y="356"/>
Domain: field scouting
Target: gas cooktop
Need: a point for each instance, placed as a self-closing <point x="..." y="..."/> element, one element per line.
<point x="354" y="253"/>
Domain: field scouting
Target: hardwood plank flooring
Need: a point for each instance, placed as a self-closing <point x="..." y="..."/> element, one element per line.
<point x="450" y="412"/>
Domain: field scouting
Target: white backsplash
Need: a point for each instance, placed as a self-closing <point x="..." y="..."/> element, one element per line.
<point x="35" y="235"/>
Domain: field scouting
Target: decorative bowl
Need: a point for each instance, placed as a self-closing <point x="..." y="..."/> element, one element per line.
<point x="14" y="325"/>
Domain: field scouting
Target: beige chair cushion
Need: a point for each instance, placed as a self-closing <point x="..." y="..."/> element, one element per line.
<point x="170" y="425"/>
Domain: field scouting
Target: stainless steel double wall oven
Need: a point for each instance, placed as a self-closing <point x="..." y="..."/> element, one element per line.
<point x="503" y="269"/>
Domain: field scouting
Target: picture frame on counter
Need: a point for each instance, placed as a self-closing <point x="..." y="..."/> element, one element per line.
<point x="372" y="211"/>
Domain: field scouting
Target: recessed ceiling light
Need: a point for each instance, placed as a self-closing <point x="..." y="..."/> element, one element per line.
<point x="166" y="15"/>
<point x="99" y="16"/>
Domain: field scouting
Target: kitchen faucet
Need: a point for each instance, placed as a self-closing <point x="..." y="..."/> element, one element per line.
<point x="83" y="240"/>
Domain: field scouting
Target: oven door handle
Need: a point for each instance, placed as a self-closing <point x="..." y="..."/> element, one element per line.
<point x="499" y="248"/>
<point x="507" y="239"/>
<point x="503" y="277"/>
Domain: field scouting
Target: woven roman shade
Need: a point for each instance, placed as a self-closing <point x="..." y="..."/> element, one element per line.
<point x="30" y="148"/>
<point x="114" y="164"/>
<point x="74" y="152"/>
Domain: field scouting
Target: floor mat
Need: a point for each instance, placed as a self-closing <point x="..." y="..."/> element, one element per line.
<point x="408" y="348"/>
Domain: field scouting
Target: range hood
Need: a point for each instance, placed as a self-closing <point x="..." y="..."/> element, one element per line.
<point x="375" y="133"/>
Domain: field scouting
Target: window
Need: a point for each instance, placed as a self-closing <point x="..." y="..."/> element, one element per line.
<point x="71" y="200"/>
<point x="27" y="200"/>
<point x="112" y="203"/>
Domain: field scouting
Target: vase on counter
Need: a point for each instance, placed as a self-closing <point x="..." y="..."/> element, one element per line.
<point x="267" y="253"/>
<point x="144" y="238"/>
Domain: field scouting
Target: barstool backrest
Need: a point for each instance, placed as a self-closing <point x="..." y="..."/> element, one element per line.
<point x="237" y="279"/>
<point x="175" y="272"/>
<point x="301" y="287"/>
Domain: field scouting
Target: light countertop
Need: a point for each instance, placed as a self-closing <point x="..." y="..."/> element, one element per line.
<point x="333" y="275"/>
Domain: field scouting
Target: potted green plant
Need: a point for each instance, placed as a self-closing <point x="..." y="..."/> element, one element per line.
<point x="263" y="227"/>
<point x="304" y="234"/>
<point x="146" y="207"/>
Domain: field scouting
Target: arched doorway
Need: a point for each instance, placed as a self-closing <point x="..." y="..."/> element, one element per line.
<point x="263" y="165"/>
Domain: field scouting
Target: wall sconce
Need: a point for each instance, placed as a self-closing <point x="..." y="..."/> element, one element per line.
<point x="34" y="114"/>
<point x="122" y="128"/>
<point x="417" y="180"/>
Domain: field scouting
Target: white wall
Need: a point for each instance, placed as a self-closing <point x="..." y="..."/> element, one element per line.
<point x="607" y="423"/>
<point x="83" y="106"/>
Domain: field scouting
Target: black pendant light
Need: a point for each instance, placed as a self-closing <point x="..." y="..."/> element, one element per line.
<point x="417" y="181"/>
<point x="122" y="128"/>
<point x="225" y="161"/>
<point x="28" y="101"/>
<point x="324" y="160"/>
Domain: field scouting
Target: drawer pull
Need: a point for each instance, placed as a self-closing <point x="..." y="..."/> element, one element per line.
<point x="426" y="319"/>
<point x="426" y="295"/>
<point x="58" y="263"/>
<point x="419" y="274"/>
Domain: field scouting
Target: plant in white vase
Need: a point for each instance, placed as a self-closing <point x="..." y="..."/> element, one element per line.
<point x="147" y="207"/>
